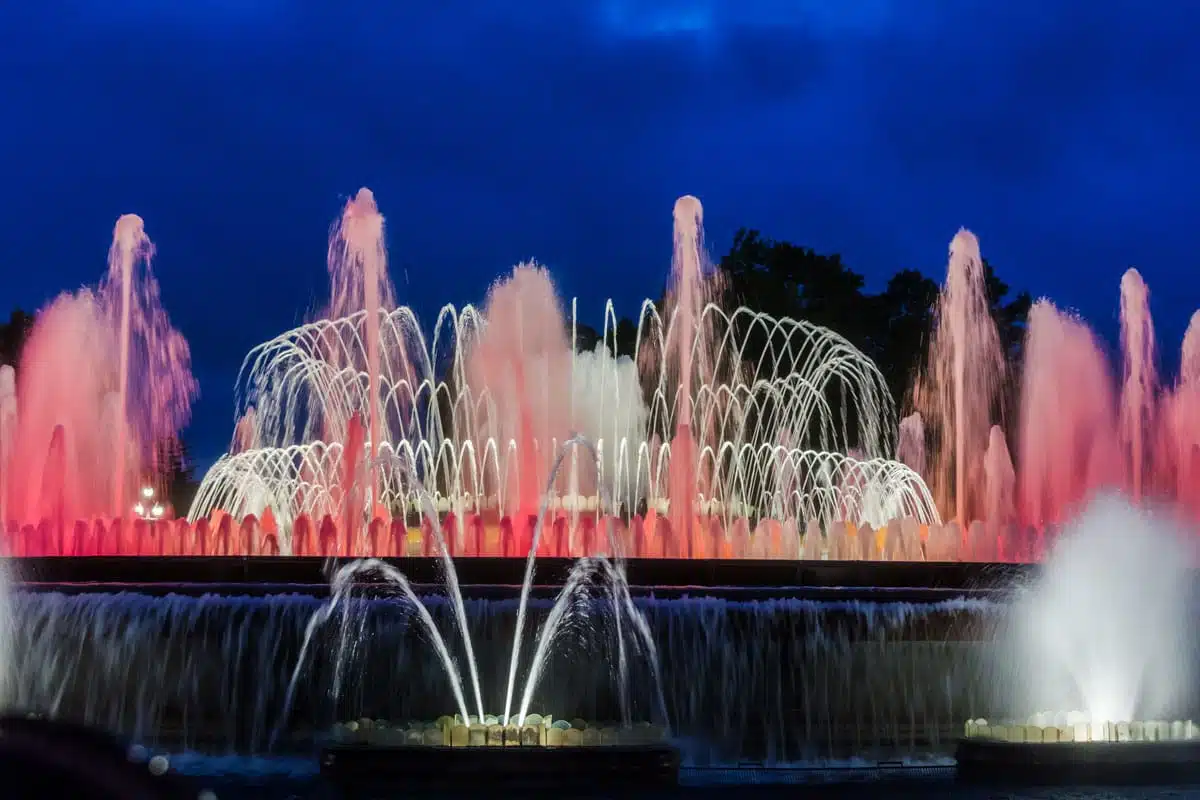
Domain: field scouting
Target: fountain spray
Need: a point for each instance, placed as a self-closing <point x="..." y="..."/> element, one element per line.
<point x="1139" y="386"/>
<point x="129" y="242"/>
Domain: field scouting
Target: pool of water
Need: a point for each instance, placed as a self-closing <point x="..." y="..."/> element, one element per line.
<point x="290" y="778"/>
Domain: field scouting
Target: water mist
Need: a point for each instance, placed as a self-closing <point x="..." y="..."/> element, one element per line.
<point x="1106" y="627"/>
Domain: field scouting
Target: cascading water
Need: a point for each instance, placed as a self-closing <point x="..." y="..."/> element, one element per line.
<point x="8" y="677"/>
<point x="776" y="680"/>
<point x="561" y="613"/>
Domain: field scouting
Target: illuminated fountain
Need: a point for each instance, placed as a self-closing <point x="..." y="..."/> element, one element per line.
<point x="703" y="444"/>
<point x="1082" y="427"/>
<point x="101" y="392"/>
<point x="1102" y="637"/>
<point x="1105" y="628"/>
<point x="571" y="611"/>
<point x="961" y="383"/>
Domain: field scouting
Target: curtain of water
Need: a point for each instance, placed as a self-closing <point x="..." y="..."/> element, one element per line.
<point x="777" y="680"/>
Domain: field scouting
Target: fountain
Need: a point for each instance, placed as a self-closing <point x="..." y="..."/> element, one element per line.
<point x="102" y="390"/>
<point x="692" y="428"/>
<point x="961" y="383"/>
<point x="495" y="431"/>
<point x="584" y="573"/>
<point x="363" y="742"/>
<point x="1104" y="629"/>
<point x="1102" y="638"/>
<point x="1079" y="430"/>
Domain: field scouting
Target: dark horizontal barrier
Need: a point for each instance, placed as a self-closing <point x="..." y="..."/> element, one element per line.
<point x="492" y="769"/>
<point x="993" y="763"/>
<point x="665" y="576"/>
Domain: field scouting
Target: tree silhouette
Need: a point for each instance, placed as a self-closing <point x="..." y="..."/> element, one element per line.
<point x="1010" y="316"/>
<point x="176" y="473"/>
<point x="892" y="327"/>
<point x="901" y="319"/>
<point x="13" y="335"/>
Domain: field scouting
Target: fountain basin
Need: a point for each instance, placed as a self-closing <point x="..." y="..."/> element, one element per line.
<point x="452" y="754"/>
<point x="1090" y="763"/>
<point x="1068" y="749"/>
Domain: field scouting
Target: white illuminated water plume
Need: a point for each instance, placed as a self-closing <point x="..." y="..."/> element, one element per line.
<point x="588" y="575"/>
<point x="1106" y="627"/>
<point x="482" y="402"/>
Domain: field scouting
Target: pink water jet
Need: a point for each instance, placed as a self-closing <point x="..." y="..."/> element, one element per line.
<point x="959" y="391"/>
<point x="519" y="371"/>
<point x="688" y="296"/>
<point x="353" y="500"/>
<point x="1139" y="388"/>
<point x="910" y="446"/>
<point x="1179" y="425"/>
<point x="105" y="376"/>
<point x="1067" y="447"/>
<point x="357" y="264"/>
<point x="1000" y="481"/>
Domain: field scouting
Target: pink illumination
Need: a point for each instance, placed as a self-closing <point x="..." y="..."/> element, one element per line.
<point x="567" y="535"/>
<point x="519" y="371"/>
<point x="103" y="387"/>
<point x="727" y="435"/>
<point x="1067" y="446"/>
<point x="957" y="392"/>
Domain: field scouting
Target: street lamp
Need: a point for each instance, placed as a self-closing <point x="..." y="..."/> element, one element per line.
<point x="147" y="508"/>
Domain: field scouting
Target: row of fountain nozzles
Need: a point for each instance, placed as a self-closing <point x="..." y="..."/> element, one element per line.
<point x="1152" y="731"/>
<point x="535" y="731"/>
<point x="583" y="503"/>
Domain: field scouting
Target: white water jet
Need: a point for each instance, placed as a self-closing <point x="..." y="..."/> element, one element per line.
<point x="1140" y="382"/>
<point x="1106" y="626"/>
<point x="531" y="563"/>
<point x="962" y="380"/>
<point x="305" y="385"/>
<point x="8" y="431"/>
<point x="584" y="572"/>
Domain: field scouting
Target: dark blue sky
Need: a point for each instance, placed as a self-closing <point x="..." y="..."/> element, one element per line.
<point x="1065" y="133"/>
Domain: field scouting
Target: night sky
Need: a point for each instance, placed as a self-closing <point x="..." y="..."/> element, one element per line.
<point x="1066" y="134"/>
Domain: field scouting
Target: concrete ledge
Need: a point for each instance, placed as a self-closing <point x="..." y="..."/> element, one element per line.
<point x="988" y="761"/>
<point x="498" y="768"/>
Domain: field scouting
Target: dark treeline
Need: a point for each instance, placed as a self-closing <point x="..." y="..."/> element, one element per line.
<point x="778" y="278"/>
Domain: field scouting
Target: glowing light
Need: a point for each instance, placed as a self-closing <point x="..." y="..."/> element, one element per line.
<point x="486" y="399"/>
